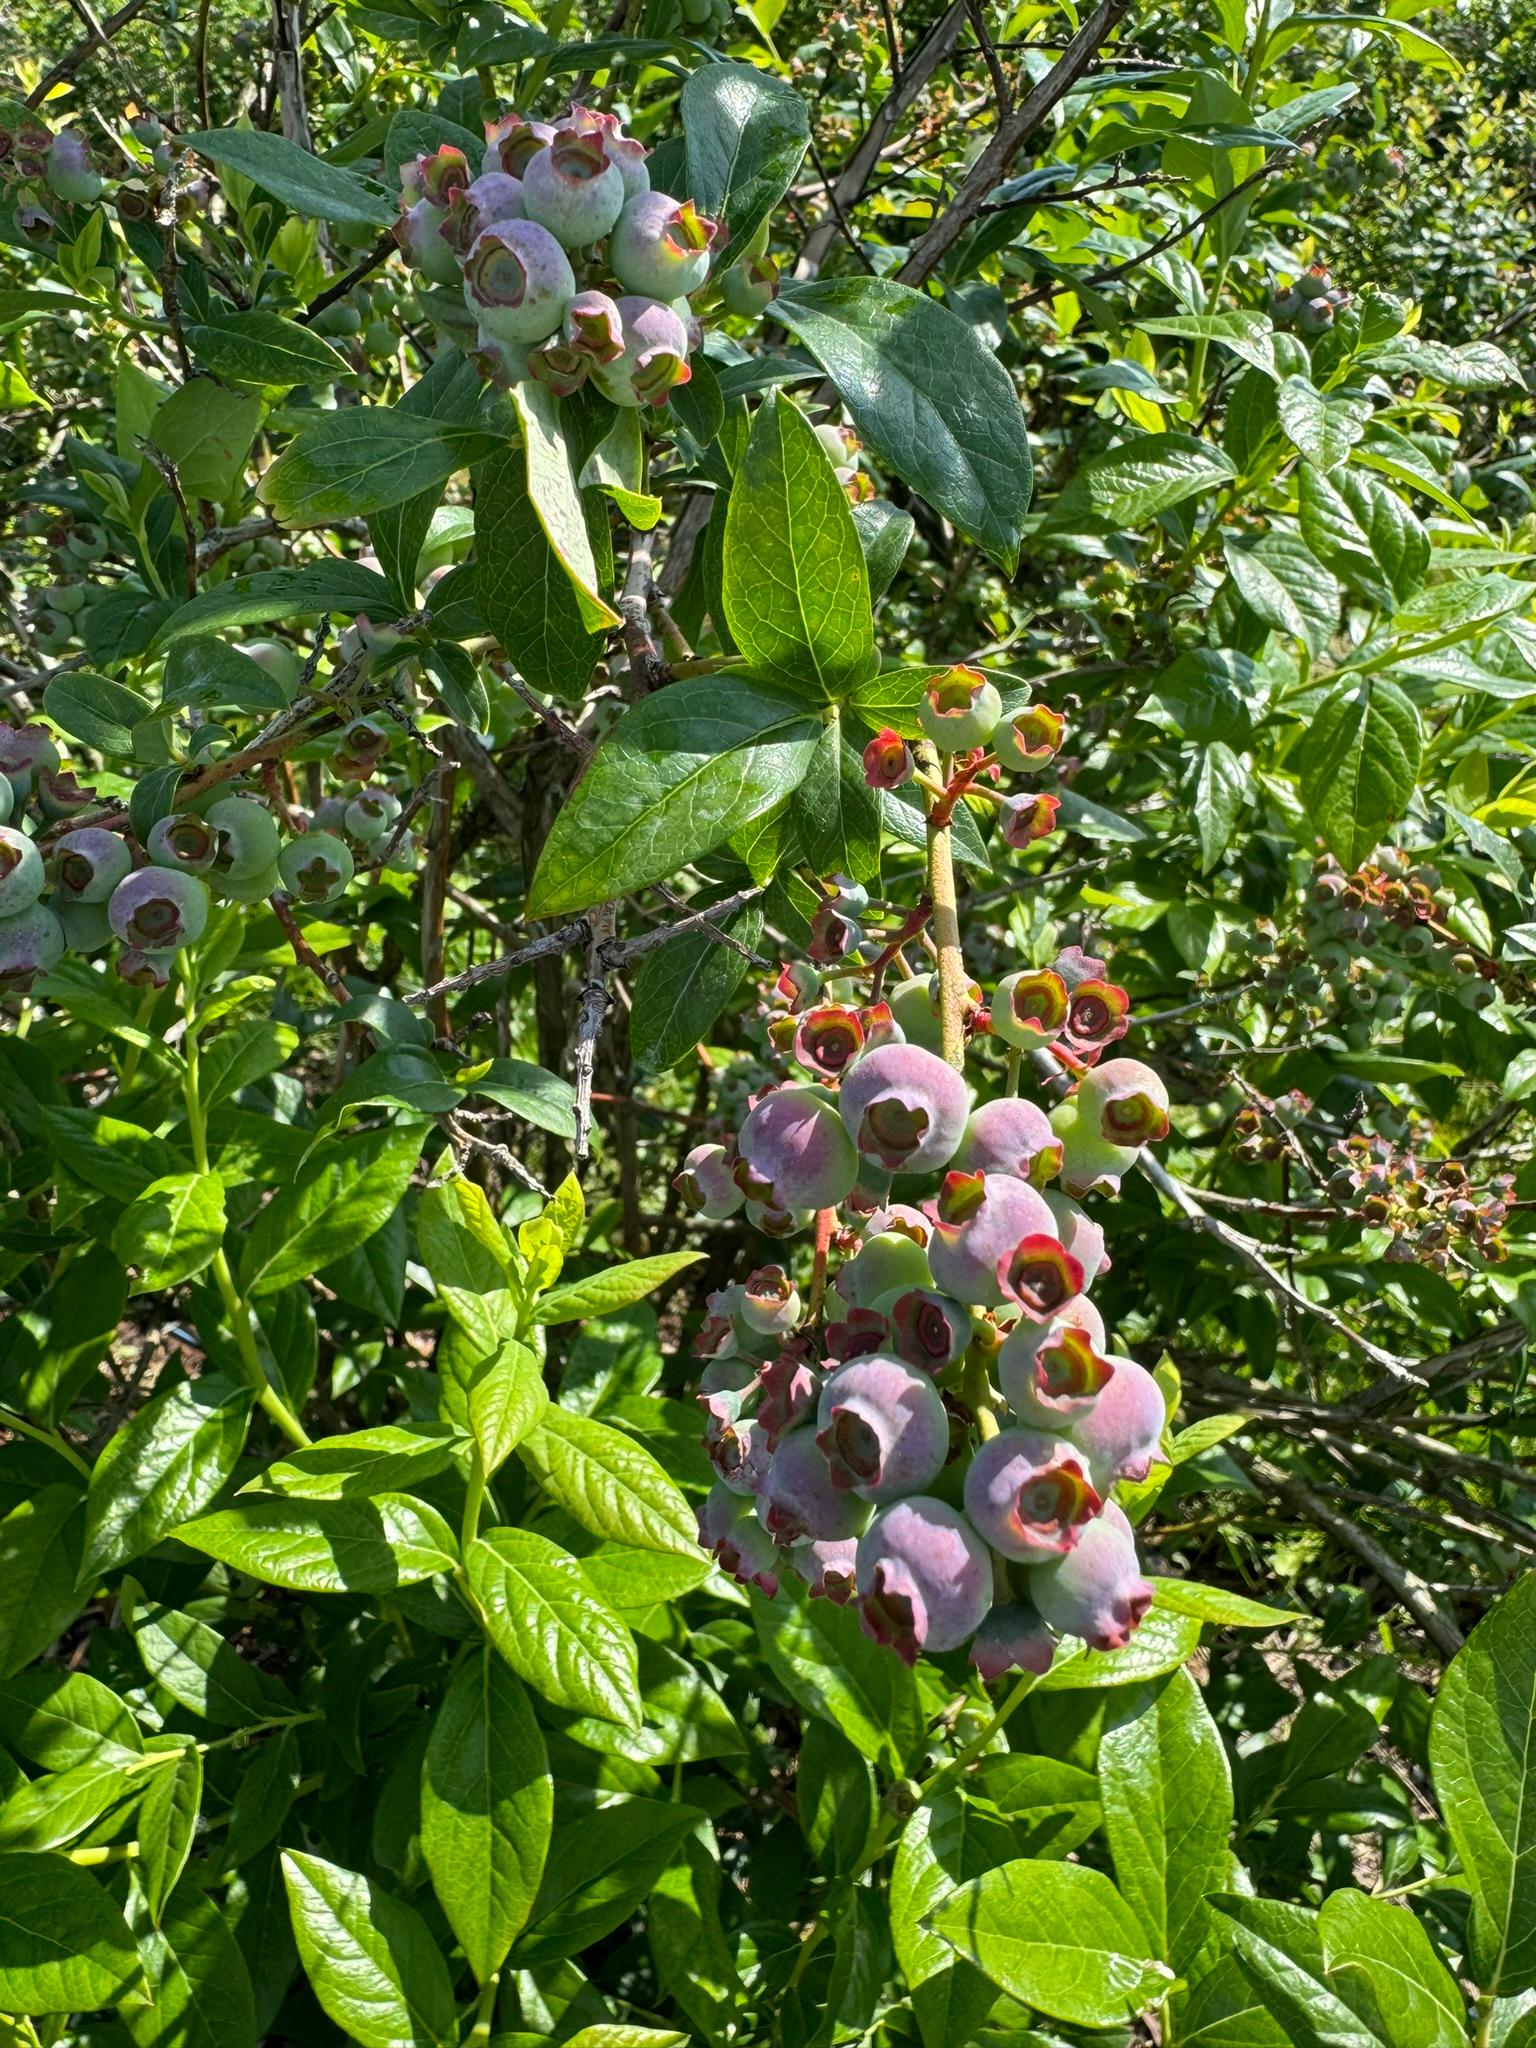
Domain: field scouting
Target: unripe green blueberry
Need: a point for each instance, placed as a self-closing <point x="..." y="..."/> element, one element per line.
<point x="707" y="1186"/>
<point x="279" y="660"/>
<point x="371" y="815"/>
<point x="158" y="910"/>
<point x="183" y="840"/>
<point x="87" y="543"/>
<point x="52" y="631"/>
<point x="86" y="865"/>
<point x="31" y="943"/>
<point x="70" y="173"/>
<point x="317" y="868"/>
<point x="518" y="281"/>
<point x="660" y="247"/>
<point x="959" y="710"/>
<point x="22" y="875"/>
<point x="338" y="321"/>
<point x="254" y="887"/>
<point x="885" y="1261"/>
<point x="750" y="286"/>
<point x="570" y="188"/>
<point x="26" y="751"/>
<point x="248" y="836"/>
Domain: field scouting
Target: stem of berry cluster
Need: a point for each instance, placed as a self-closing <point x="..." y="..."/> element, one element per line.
<point x="946" y="929"/>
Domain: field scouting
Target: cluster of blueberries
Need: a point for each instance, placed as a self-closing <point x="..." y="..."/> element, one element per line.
<point x="101" y="885"/>
<point x="572" y="268"/>
<point x="42" y="167"/>
<point x="859" y="1438"/>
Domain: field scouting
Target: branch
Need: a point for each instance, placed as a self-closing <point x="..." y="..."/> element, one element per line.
<point x="991" y="167"/>
<point x="590" y="1012"/>
<point x="71" y="61"/>
<point x="381" y="252"/>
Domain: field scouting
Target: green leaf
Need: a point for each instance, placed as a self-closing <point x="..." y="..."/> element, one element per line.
<point x="1283" y="584"/>
<point x="196" y="1991"/>
<point x="556" y="500"/>
<point x="1215" y="1604"/>
<point x="349" y="1190"/>
<point x="332" y="586"/>
<point x="385" y="1459"/>
<point x="598" y="1874"/>
<point x="487" y="1806"/>
<point x="540" y="1098"/>
<point x="365" y="458"/>
<point x="1279" y="1946"/>
<point x="682" y="987"/>
<point x="928" y="397"/>
<point x="199" y="1670"/>
<point x="821" y="1656"/>
<point x="602" y="1294"/>
<point x="608" y="1482"/>
<point x="203" y="671"/>
<point x="544" y="1619"/>
<point x="1363" y="531"/>
<point x="67" y="1947"/>
<point x="303" y="181"/>
<point x="746" y="133"/>
<point x="94" y="709"/>
<point x="49" y="1813"/>
<point x="1385" y="1964"/>
<point x="1358" y="765"/>
<point x="796" y="588"/>
<point x="950" y="1841"/>
<point x="39" y="1563"/>
<point x="1058" y="1937"/>
<point x="525" y="595"/>
<point x="167" y="1824"/>
<point x="62" y="1718"/>
<point x="347" y="1546"/>
<point x="1474" y="366"/>
<point x="165" y="1466"/>
<point x="1320" y="428"/>
<point x="1221" y="783"/>
<point x="1163" y="1642"/>
<point x="465" y="1251"/>
<point x="172" y="1230"/>
<point x="375" y="1969"/>
<point x="685" y="1719"/>
<point x="1132" y="483"/>
<point x="837" y="815"/>
<point x="1481" y="1742"/>
<point x="679" y="773"/>
<point x="207" y="432"/>
<point x="265" y="350"/>
<point x="502" y="1397"/>
<point x="1167" y="1792"/>
<point x="885" y="534"/>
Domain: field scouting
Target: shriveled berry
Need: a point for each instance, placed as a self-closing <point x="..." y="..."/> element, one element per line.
<point x="770" y="1304"/>
<point x="924" y="1578"/>
<point x="1026" y="819"/>
<point x="883" y="1428"/>
<point x="740" y="1454"/>
<point x="828" y="1567"/>
<point x="1029" y="1495"/>
<point x="888" y="760"/>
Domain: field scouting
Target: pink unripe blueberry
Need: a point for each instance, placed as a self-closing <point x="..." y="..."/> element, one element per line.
<point x="861" y="1332"/>
<point x="1121" y="1433"/>
<point x="654" y="360"/>
<point x="1012" y="1639"/>
<point x="742" y="1547"/>
<point x="1029" y="1496"/>
<point x="419" y="233"/>
<point x="1052" y="1372"/>
<point x="183" y="840"/>
<point x="26" y="751"/>
<point x="1029" y="1008"/>
<point x="1010" y="1136"/>
<point x="510" y="141"/>
<point x="1096" y="1591"/>
<point x="769" y="1303"/>
<point x="518" y="281"/>
<point x="740" y="1454"/>
<point x="69" y="170"/>
<point x="1040" y="1275"/>
<point x="883" y="1428"/>
<point x="87" y="864"/>
<point x="982" y="1218"/>
<point x="798" y="1499"/>
<point x="834" y="935"/>
<point x="1083" y="1238"/>
<point x="1028" y="818"/>
<point x="959" y="709"/>
<point x="31" y="943"/>
<point x="159" y="910"/>
<point x="1097" y="1014"/>
<point x="435" y="176"/>
<point x="828" y="1567"/>
<point x="888" y="760"/>
<point x="572" y="189"/>
<point x="904" y="1108"/>
<point x="883" y="1262"/>
<point x="827" y="1038"/>
<point x="660" y="247"/>
<point x="593" y="326"/>
<point x="626" y="153"/>
<point x="22" y="874"/>
<point x="492" y="198"/>
<point x="707" y="1185"/>
<point x="928" y="1330"/>
<point x="1128" y="1100"/>
<point x="924" y="1578"/>
<point x="1029" y="738"/>
<point x="793" y="1140"/>
<point x="789" y="1389"/>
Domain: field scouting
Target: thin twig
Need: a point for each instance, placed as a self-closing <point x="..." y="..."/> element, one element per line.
<point x="590" y="1012"/>
<point x="71" y="61"/>
<point x="381" y="252"/>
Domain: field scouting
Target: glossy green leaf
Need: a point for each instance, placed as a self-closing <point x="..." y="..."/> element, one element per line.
<point x="1321" y="428"/>
<point x="199" y="1669"/>
<point x="597" y="1875"/>
<point x="927" y="396"/>
<point x="487" y="1805"/>
<point x="829" y="1667"/>
<point x="40" y="1543"/>
<point x="386" y="1459"/>
<point x="1279" y="1946"/>
<point x="1382" y="1962"/>
<point x="172" y="1230"/>
<point x="196" y="1989"/>
<point x="796" y="588"/>
<point x="166" y="1465"/>
<point x="62" y="1718"/>
<point x="373" y="1965"/>
<point x="366" y="458"/>
<point x="608" y="1482"/>
<point x="297" y="176"/>
<point x="557" y="502"/>
<point x="167" y="1824"/>
<point x="343" y="1546"/>
<point x="682" y="987"/>
<point x="67" y="1947"/>
<point x="524" y="592"/>
<point x="681" y="772"/>
<point x="95" y="709"/>
<point x="746" y="133"/>
<point x="1358" y="764"/>
<point x="1136" y="480"/>
<point x="264" y="349"/>
<point x="544" y="1619"/>
<point x="618" y="1287"/>
<point x="348" y="1191"/>
<point x="332" y="586"/>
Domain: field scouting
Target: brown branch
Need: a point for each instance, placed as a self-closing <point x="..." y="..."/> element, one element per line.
<point x="165" y="220"/>
<point x="647" y="669"/>
<point x="101" y="34"/>
<point x="991" y="167"/>
<point x="381" y="252"/>
<point x="590" y="1012"/>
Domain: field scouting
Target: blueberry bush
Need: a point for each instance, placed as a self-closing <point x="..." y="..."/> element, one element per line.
<point x="767" y="930"/>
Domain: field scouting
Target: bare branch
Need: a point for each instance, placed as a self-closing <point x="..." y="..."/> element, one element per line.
<point x="101" y="34"/>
